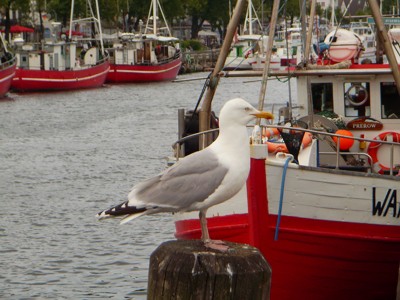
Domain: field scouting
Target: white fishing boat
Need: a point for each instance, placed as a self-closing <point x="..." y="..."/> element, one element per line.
<point x="323" y="208"/>
<point x="248" y="44"/>
<point x="368" y="41"/>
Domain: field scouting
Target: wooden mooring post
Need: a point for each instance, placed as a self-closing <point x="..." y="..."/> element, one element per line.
<point x="186" y="269"/>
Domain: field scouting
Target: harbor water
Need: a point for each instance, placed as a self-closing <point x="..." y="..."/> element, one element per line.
<point x="65" y="156"/>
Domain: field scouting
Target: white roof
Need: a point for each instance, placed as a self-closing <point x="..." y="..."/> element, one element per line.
<point x="251" y="37"/>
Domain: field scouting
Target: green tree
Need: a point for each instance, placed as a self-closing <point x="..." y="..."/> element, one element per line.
<point x="292" y="10"/>
<point x="21" y="5"/>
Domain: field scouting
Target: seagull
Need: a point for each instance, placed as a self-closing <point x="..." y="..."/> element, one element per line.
<point x="201" y="179"/>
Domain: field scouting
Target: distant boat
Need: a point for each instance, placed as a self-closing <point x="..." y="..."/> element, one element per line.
<point x="367" y="38"/>
<point x="8" y="65"/>
<point x="62" y="62"/>
<point x="247" y="46"/>
<point x="146" y="56"/>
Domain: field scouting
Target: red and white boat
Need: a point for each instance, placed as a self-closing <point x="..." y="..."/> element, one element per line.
<point x="327" y="219"/>
<point x="61" y="64"/>
<point x="147" y="56"/>
<point x="8" y="65"/>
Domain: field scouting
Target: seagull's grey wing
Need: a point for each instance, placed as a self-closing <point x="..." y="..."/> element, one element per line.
<point x="190" y="180"/>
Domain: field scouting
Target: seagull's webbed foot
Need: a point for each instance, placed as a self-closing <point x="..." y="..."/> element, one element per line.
<point x="209" y="243"/>
<point x="216" y="245"/>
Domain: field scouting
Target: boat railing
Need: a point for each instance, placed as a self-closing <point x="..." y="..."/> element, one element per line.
<point x="169" y="59"/>
<point x="339" y="153"/>
<point x="102" y="60"/>
<point x="178" y="146"/>
<point x="8" y="63"/>
<point x="359" y="154"/>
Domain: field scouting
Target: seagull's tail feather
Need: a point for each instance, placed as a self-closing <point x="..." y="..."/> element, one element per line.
<point x="131" y="217"/>
<point x="120" y="210"/>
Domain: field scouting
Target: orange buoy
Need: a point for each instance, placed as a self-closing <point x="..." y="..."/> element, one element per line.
<point x="275" y="147"/>
<point x="268" y="132"/>
<point x="345" y="144"/>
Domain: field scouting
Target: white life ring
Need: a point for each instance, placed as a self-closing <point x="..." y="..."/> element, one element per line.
<point x="356" y="101"/>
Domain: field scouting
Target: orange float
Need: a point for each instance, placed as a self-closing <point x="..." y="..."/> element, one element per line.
<point x="275" y="147"/>
<point x="345" y="144"/>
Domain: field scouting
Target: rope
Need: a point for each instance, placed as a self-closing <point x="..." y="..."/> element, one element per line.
<point x="206" y="84"/>
<point x="278" y="221"/>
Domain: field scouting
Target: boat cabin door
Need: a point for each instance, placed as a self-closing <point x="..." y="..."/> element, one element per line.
<point x="147" y="52"/>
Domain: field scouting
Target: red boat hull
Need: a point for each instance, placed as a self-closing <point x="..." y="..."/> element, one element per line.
<point x="315" y="265"/>
<point x="45" y="80"/>
<point x="311" y="258"/>
<point x="6" y="76"/>
<point x="144" y="73"/>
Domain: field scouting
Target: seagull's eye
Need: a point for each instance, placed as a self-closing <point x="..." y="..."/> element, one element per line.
<point x="247" y="108"/>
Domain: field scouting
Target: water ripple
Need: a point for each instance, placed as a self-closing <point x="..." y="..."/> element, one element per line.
<point x="65" y="156"/>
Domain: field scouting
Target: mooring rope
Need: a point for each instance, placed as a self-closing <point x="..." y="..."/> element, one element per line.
<point x="278" y="221"/>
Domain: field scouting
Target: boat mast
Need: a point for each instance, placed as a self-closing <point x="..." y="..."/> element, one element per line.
<point x="274" y="18"/>
<point x="98" y="22"/>
<point x="250" y="14"/>
<point x="71" y="18"/>
<point x="155" y="14"/>
<point x="306" y="59"/>
<point x="248" y="22"/>
<point x="384" y="37"/>
<point x="205" y="110"/>
<point x="310" y="32"/>
<point x="94" y="18"/>
<point x="155" y="8"/>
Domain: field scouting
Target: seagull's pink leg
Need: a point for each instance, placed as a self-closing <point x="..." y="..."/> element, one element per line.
<point x="216" y="245"/>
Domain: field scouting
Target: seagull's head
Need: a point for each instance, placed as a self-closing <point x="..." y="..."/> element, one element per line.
<point x="239" y="111"/>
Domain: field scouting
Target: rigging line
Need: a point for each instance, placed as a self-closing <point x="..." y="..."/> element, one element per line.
<point x="206" y="83"/>
<point x="288" y="59"/>
<point x="341" y="19"/>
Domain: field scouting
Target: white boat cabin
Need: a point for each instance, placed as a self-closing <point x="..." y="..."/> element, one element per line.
<point x="362" y="100"/>
<point x="357" y="93"/>
<point x="143" y="50"/>
<point x="58" y="56"/>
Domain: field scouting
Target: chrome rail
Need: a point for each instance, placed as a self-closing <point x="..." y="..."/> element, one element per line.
<point x="339" y="136"/>
<point x="176" y="146"/>
<point x="369" y="158"/>
<point x="8" y="63"/>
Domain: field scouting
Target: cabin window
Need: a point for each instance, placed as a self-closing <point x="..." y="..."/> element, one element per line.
<point x="390" y="101"/>
<point x="294" y="51"/>
<point x="47" y="33"/>
<point x="322" y="97"/>
<point x="356" y="99"/>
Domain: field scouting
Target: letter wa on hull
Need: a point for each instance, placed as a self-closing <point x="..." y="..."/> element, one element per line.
<point x="387" y="206"/>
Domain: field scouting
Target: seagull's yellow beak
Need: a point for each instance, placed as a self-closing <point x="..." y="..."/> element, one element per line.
<point x="264" y="115"/>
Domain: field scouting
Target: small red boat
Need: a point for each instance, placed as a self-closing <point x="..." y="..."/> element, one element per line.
<point x="7" y="72"/>
<point x="8" y="64"/>
<point x="62" y="63"/>
<point x="147" y="56"/>
<point x="130" y="63"/>
<point x="46" y="79"/>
